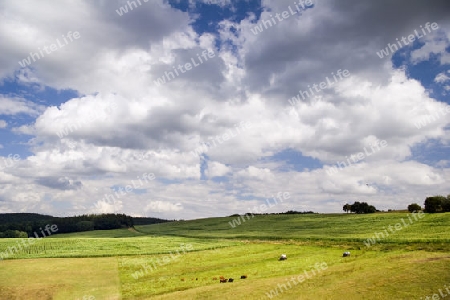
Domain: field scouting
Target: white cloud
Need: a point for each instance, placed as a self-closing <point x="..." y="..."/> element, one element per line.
<point x="96" y="141"/>
<point x="160" y="206"/>
<point x="437" y="45"/>
<point x="217" y="169"/>
<point x="14" y="106"/>
<point x="442" y="77"/>
<point x="104" y="207"/>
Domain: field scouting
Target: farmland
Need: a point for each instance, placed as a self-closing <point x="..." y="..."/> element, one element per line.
<point x="180" y="259"/>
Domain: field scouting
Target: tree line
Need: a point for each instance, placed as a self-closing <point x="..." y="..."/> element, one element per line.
<point x="433" y="204"/>
<point x="289" y="212"/>
<point x="24" y="225"/>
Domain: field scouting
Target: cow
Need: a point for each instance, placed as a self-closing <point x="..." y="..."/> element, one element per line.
<point x="223" y="280"/>
<point x="230" y="280"/>
<point x="345" y="254"/>
<point x="283" y="257"/>
<point x="243" y="276"/>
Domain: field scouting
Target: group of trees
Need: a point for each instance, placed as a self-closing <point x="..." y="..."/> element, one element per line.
<point x="289" y="212"/>
<point x="437" y="204"/>
<point x="294" y="212"/>
<point x="359" y="208"/>
<point x="93" y="222"/>
<point x="434" y="204"/>
<point x="22" y="225"/>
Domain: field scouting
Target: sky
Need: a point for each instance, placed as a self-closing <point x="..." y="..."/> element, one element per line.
<point x="188" y="109"/>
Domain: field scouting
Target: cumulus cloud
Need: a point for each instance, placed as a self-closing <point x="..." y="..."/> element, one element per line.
<point x="104" y="207"/>
<point x="217" y="169"/>
<point x="122" y="124"/>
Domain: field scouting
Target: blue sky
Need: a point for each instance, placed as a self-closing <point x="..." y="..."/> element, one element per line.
<point x="35" y="93"/>
<point x="87" y="118"/>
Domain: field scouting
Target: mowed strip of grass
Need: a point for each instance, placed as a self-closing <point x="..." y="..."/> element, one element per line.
<point x="65" y="278"/>
<point x="341" y="227"/>
<point x="102" y="247"/>
<point x="364" y="275"/>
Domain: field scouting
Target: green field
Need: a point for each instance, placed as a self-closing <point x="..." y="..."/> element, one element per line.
<point x="185" y="259"/>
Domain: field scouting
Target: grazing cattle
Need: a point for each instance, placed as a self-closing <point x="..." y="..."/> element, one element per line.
<point x="230" y="280"/>
<point x="223" y="280"/>
<point x="243" y="276"/>
<point x="345" y="254"/>
<point x="283" y="257"/>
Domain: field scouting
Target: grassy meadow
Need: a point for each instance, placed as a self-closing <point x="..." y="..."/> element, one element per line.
<point x="185" y="259"/>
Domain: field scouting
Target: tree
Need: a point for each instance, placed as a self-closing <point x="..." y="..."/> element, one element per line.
<point x="446" y="204"/>
<point x="434" y="204"/>
<point x="347" y="207"/>
<point x="362" y="208"/>
<point x="371" y="209"/>
<point x="414" y="207"/>
<point x="355" y="207"/>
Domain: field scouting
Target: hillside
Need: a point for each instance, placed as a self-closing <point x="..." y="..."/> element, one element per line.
<point x="16" y="225"/>
<point x="185" y="259"/>
<point x="337" y="227"/>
